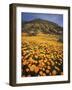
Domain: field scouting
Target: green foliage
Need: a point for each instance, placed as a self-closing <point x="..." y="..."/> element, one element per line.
<point x="60" y="38"/>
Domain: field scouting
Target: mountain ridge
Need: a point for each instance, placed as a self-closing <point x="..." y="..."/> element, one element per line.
<point x="39" y="25"/>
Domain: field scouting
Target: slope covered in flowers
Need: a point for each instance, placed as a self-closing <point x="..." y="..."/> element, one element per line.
<point x="42" y="55"/>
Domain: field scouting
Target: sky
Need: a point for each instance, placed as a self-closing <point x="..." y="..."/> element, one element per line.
<point x="56" y="18"/>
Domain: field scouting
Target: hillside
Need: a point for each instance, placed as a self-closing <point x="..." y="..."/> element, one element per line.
<point x="41" y="49"/>
<point x="38" y="25"/>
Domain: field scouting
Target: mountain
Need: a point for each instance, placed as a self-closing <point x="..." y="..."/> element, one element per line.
<point x="38" y="25"/>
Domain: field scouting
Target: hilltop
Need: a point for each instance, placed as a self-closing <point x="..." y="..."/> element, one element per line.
<point x="38" y="25"/>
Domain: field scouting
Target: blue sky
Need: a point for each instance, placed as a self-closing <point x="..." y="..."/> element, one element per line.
<point x="56" y="18"/>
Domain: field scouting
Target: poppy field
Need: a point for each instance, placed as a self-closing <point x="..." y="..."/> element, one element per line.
<point x="42" y="55"/>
